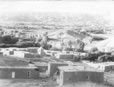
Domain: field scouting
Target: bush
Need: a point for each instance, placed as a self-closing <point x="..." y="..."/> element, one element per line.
<point x="28" y="44"/>
<point x="9" y="39"/>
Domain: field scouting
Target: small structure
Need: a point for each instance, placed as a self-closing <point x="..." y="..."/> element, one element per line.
<point x="23" y="54"/>
<point x="18" y="72"/>
<point x="65" y="56"/>
<point x="13" y="68"/>
<point x="73" y="74"/>
<point x="53" y="67"/>
<point x="105" y="66"/>
<point x="32" y="49"/>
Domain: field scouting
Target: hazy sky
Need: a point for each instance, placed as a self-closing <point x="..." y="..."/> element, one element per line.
<point x="103" y="8"/>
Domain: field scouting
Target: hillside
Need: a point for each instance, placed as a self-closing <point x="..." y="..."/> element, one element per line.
<point x="51" y="21"/>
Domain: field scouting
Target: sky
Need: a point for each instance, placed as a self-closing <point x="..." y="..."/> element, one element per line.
<point x="103" y="8"/>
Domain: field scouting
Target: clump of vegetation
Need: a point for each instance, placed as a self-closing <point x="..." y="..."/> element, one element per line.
<point x="45" y="45"/>
<point x="96" y="31"/>
<point x="76" y="45"/>
<point x="9" y="39"/>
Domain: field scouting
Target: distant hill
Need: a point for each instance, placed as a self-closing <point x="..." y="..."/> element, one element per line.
<point x="53" y="21"/>
<point x="71" y="35"/>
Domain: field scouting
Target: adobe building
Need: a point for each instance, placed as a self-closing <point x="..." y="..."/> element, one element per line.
<point x="73" y="74"/>
<point x="13" y="68"/>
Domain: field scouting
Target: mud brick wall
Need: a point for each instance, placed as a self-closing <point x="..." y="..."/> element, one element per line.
<point x="41" y="66"/>
<point x="11" y="52"/>
<point x="8" y="51"/>
<point x="65" y="56"/>
<point x="105" y="66"/>
<point x="53" y="67"/>
<point x="5" y="74"/>
<point x="23" y="54"/>
<point x="109" y="68"/>
<point x="29" y="55"/>
<point x="19" y="73"/>
<point x="66" y="77"/>
<point x="32" y="50"/>
<point x="19" y="54"/>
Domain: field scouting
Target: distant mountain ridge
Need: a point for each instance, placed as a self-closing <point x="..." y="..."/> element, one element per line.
<point x="53" y="21"/>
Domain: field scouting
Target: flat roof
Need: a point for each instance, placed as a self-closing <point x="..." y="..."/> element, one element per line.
<point x="12" y="62"/>
<point x="79" y="67"/>
<point x="17" y="67"/>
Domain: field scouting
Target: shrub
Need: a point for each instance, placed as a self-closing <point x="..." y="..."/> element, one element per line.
<point x="9" y="39"/>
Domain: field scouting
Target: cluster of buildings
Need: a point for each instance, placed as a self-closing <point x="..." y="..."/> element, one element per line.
<point x="66" y="66"/>
<point x="36" y="63"/>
